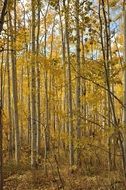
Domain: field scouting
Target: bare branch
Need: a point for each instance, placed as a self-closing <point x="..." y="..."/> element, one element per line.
<point x="3" y="13"/>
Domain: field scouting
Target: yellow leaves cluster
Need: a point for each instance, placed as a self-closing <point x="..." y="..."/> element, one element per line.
<point x="119" y="90"/>
<point x="113" y="3"/>
<point x="94" y="98"/>
<point x="22" y="38"/>
<point x="2" y="43"/>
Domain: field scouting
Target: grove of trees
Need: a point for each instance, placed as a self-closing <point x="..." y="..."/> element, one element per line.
<point x="63" y="94"/>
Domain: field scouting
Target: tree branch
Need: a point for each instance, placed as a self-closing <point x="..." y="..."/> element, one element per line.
<point x="3" y="13"/>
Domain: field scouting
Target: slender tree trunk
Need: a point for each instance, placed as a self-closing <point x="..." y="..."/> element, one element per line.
<point x="14" y="84"/>
<point x="9" y="98"/>
<point x="124" y="88"/>
<point x="33" y="92"/>
<point x="47" y="129"/>
<point x="28" y="85"/>
<point x="65" y="94"/>
<point x="83" y="83"/>
<point x="22" y="101"/>
<point x="78" y="79"/>
<point x="106" y="59"/>
<point x="71" y="147"/>
<point x="1" y="129"/>
<point x="38" y="140"/>
<point x="29" y="108"/>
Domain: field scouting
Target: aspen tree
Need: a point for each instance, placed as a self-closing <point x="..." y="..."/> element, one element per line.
<point x="22" y="100"/>
<point x="78" y="78"/>
<point x="124" y="86"/>
<point x="106" y="58"/>
<point x="38" y="81"/>
<point x="14" y="82"/>
<point x="65" y="93"/>
<point x="33" y="92"/>
<point x="70" y="113"/>
<point x="47" y="129"/>
<point x="1" y="126"/>
<point x="9" y="97"/>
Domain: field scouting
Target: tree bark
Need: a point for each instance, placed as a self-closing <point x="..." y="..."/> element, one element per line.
<point x="1" y="127"/>
<point x="78" y="79"/>
<point x="70" y="113"/>
<point x="38" y="140"/>
<point x="124" y="88"/>
<point x="33" y="92"/>
<point x="14" y="83"/>
<point x="9" y="98"/>
<point x="2" y="16"/>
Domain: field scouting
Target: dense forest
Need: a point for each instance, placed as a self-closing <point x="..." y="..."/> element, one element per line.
<point x="63" y="94"/>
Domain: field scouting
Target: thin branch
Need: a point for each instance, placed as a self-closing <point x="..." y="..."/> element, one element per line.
<point x="3" y="13"/>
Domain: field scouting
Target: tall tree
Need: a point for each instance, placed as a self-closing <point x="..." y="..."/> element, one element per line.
<point x="38" y="82"/>
<point x="47" y="129"/>
<point x="1" y="127"/>
<point x="70" y="110"/>
<point x="77" y="8"/>
<point x="2" y="16"/>
<point x="33" y="90"/>
<point x="14" y="81"/>
<point x="9" y="95"/>
<point x="124" y="85"/>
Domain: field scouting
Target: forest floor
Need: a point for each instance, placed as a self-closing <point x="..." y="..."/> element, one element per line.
<point x="21" y="179"/>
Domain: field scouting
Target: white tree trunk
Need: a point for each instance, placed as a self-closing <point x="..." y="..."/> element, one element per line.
<point x="33" y="92"/>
